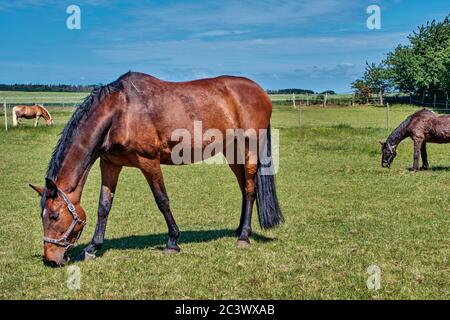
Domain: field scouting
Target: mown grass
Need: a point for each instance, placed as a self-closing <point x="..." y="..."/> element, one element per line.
<point x="343" y="213"/>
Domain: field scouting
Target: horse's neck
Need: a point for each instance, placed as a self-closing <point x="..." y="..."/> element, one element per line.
<point x="45" y="113"/>
<point x="400" y="133"/>
<point x="80" y="155"/>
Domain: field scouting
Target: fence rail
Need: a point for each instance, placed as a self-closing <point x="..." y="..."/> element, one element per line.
<point x="434" y="101"/>
<point x="303" y="110"/>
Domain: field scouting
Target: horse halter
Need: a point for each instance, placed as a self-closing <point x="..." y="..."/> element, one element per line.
<point x="62" y="242"/>
<point x="390" y="147"/>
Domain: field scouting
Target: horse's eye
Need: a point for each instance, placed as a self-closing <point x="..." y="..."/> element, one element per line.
<point x="54" y="215"/>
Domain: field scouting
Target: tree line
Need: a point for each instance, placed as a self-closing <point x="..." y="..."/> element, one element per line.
<point x="420" y="68"/>
<point x="46" y="87"/>
<point x="298" y="91"/>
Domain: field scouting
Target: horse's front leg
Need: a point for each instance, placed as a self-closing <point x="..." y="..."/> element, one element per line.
<point x="110" y="175"/>
<point x="36" y="121"/>
<point x="152" y="172"/>
<point x="417" y="147"/>
<point x="424" y="155"/>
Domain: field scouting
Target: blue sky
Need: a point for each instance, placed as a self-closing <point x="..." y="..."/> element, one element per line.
<point x="318" y="45"/>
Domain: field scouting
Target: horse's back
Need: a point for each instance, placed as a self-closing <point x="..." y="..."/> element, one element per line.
<point x="225" y="101"/>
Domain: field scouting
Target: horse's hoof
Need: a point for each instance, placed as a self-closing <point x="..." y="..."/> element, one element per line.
<point x="171" y="250"/>
<point x="84" y="256"/>
<point x="243" y="244"/>
<point x="89" y="256"/>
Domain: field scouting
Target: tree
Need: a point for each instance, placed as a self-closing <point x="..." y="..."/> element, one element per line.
<point x="362" y="90"/>
<point x="377" y="78"/>
<point x="422" y="67"/>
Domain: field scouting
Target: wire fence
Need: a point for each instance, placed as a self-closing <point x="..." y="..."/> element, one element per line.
<point x="305" y="111"/>
<point x="352" y="99"/>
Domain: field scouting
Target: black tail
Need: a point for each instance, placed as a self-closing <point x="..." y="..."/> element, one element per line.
<point x="269" y="211"/>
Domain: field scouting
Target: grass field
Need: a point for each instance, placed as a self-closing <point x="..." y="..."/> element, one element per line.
<point x="343" y="213"/>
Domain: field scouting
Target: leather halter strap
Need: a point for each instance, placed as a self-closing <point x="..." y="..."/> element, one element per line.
<point x="63" y="242"/>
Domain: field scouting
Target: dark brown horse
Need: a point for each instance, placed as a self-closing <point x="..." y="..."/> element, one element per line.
<point x="131" y="122"/>
<point x="422" y="127"/>
<point x="31" y="112"/>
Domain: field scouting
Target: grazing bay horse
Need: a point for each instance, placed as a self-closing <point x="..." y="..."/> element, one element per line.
<point x="422" y="127"/>
<point x="31" y="112"/>
<point x="130" y="122"/>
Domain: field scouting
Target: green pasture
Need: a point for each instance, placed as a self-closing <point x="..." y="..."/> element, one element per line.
<point x="343" y="213"/>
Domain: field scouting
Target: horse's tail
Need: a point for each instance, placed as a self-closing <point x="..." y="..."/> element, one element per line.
<point x="14" y="116"/>
<point x="269" y="211"/>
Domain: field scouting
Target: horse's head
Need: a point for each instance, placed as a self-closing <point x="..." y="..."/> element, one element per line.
<point x="49" y="121"/>
<point x="63" y="223"/>
<point x="388" y="154"/>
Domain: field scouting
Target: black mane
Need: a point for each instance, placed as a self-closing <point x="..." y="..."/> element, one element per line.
<point x="71" y="129"/>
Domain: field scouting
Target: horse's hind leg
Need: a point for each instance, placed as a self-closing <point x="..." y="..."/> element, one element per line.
<point x="250" y="196"/>
<point x="152" y="172"/>
<point x="239" y="172"/>
<point x="423" y="152"/>
<point x="110" y="175"/>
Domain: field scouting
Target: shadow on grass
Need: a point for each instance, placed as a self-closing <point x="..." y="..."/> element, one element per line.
<point x="439" y="168"/>
<point x="158" y="241"/>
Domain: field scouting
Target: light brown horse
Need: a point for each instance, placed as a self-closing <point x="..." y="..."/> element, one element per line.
<point x="131" y="122"/>
<point x="422" y="127"/>
<point x="31" y="112"/>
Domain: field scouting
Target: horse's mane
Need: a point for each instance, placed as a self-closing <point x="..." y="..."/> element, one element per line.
<point x="71" y="129"/>
<point x="398" y="133"/>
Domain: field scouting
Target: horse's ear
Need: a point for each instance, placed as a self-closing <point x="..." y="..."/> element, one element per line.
<point x="39" y="190"/>
<point x="51" y="187"/>
<point x="381" y="142"/>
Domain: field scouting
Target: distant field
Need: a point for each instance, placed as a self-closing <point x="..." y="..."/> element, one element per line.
<point x="42" y="97"/>
<point x="343" y="213"/>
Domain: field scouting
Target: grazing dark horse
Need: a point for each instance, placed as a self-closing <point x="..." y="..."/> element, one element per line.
<point x="31" y="112"/>
<point x="130" y="122"/>
<point x="422" y="127"/>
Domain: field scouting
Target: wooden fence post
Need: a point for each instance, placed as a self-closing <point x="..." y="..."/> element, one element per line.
<point x="6" y="114"/>
<point x="293" y="100"/>
<point x="307" y="99"/>
<point x="353" y="99"/>
<point x="387" y="116"/>
<point x="446" y="101"/>
<point x="325" y="99"/>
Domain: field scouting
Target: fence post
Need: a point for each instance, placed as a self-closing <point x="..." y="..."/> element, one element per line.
<point x="293" y="100"/>
<point x="307" y="99"/>
<point x="387" y="116"/>
<point x="325" y="99"/>
<point x="6" y="114"/>
<point x="353" y="99"/>
<point x="446" y="101"/>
